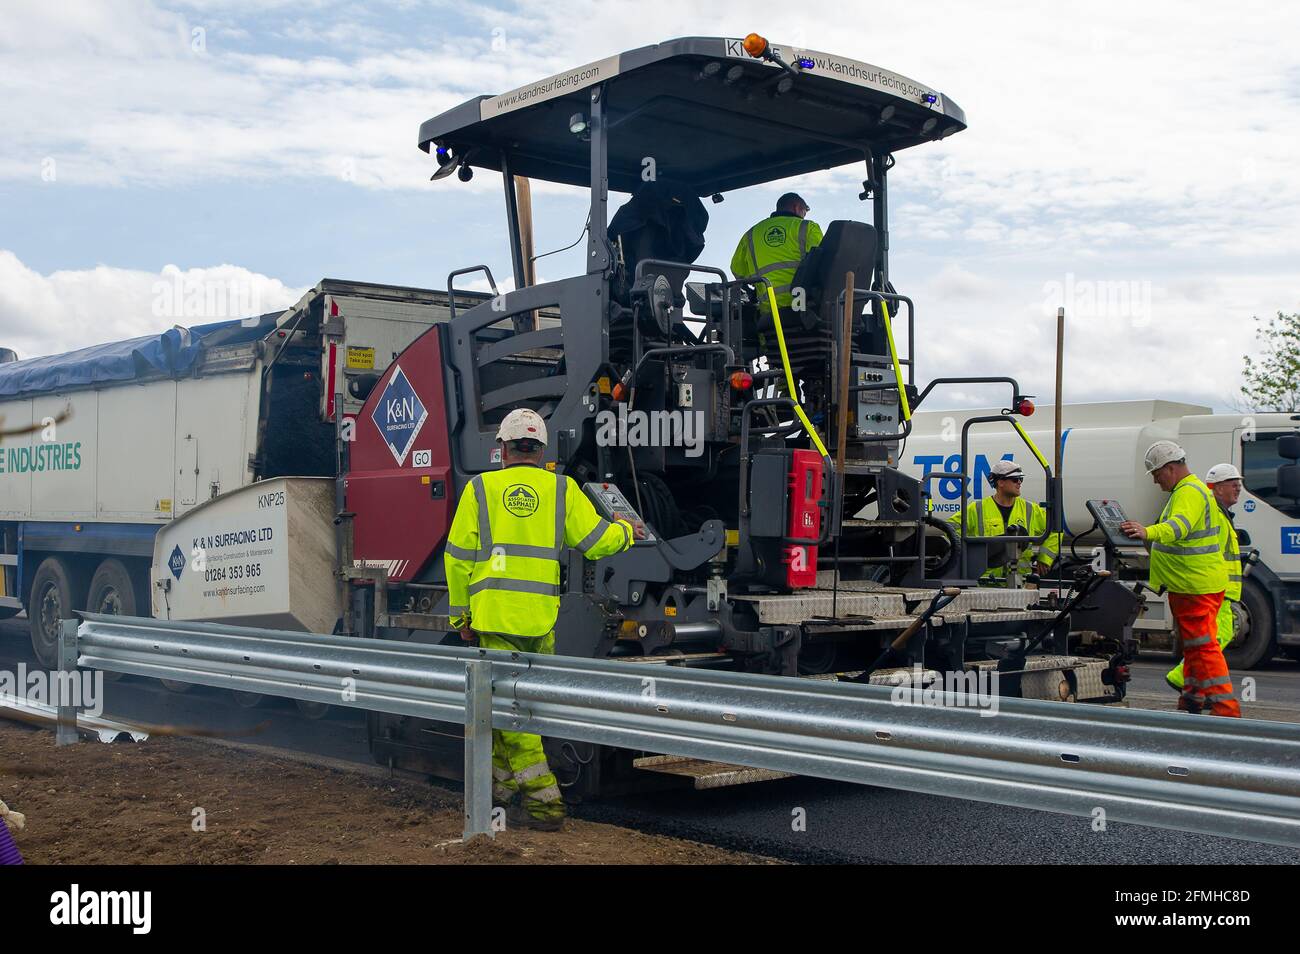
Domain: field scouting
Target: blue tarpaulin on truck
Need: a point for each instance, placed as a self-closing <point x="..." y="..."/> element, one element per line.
<point x="170" y="354"/>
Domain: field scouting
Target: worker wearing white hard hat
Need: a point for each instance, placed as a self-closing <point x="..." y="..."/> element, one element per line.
<point x="1161" y="453"/>
<point x="1224" y="481"/>
<point x="1007" y="513"/>
<point x="522" y="424"/>
<point x="511" y="531"/>
<point x="1187" y="560"/>
<point x="1221" y="473"/>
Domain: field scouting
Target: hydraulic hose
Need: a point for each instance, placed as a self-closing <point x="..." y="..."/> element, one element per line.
<point x="789" y="377"/>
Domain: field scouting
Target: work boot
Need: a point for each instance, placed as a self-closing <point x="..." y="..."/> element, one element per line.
<point x="519" y="817"/>
<point x="551" y="823"/>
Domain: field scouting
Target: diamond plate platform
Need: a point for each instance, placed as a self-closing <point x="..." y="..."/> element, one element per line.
<point x="790" y="608"/>
<point x="706" y="774"/>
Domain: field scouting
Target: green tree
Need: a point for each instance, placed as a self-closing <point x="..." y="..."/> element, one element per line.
<point x="1273" y="379"/>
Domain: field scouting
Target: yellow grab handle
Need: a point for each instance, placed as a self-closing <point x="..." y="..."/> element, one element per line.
<point x="898" y="371"/>
<point x="1032" y="446"/>
<point x="789" y="376"/>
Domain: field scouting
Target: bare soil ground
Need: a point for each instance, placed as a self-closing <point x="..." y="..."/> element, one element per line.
<point x="135" y="803"/>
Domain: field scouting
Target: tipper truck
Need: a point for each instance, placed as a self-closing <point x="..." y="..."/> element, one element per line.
<point x="128" y="436"/>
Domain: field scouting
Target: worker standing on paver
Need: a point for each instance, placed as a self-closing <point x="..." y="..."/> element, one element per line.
<point x="772" y="250"/>
<point x="1007" y="513"/>
<point x="511" y="530"/>
<point x="1186" y="560"/>
<point x="1224" y="481"/>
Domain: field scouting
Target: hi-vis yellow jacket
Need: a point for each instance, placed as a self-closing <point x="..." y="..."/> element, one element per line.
<point x="772" y="250"/>
<point x="984" y="519"/>
<point x="505" y="544"/>
<point x="1231" y="550"/>
<point x="1186" y="556"/>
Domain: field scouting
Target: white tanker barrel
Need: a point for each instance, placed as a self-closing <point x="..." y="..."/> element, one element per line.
<point x="1099" y="462"/>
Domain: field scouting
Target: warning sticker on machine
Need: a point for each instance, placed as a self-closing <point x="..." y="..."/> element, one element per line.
<point x="399" y="415"/>
<point x="361" y="358"/>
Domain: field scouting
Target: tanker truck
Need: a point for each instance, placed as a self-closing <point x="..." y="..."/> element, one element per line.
<point x="1100" y="458"/>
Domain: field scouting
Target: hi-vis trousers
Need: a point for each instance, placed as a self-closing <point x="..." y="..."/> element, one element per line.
<point x="1206" y="683"/>
<point x="518" y="761"/>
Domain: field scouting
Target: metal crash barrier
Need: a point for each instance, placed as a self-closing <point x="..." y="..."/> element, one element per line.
<point x="1228" y="777"/>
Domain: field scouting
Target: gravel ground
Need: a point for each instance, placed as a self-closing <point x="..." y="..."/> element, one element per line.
<point x="137" y="804"/>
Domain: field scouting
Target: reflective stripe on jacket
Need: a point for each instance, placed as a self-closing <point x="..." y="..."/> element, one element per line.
<point x="1185" y="553"/>
<point x="984" y="519"/>
<point x="506" y="542"/>
<point x="772" y="250"/>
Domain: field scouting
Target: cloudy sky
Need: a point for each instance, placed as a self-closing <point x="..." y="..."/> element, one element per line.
<point x="1134" y="162"/>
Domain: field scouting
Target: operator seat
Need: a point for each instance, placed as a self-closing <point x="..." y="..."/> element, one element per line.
<point x="846" y="246"/>
<point x="662" y="222"/>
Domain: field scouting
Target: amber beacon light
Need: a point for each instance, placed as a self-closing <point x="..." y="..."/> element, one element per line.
<point x="755" y="45"/>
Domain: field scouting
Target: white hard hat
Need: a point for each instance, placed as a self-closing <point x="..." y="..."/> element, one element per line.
<point x="522" y="424"/>
<point x="1221" y="472"/>
<point x="1003" y="469"/>
<point x="1161" y="453"/>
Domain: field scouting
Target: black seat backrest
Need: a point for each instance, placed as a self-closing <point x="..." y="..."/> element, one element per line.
<point x="660" y="222"/>
<point x="846" y="246"/>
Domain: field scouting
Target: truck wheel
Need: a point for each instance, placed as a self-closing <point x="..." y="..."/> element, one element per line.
<point x="58" y="591"/>
<point x="312" y="710"/>
<point x="1257" y="645"/>
<point x="112" y="593"/>
<point x="817" y="658"/>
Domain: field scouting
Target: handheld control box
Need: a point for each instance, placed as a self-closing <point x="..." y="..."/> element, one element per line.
<point x="612" y="505"/>
<point x="1110" y="515"/>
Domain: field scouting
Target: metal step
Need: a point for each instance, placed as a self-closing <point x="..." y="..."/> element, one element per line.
<point x="706" y="774"/>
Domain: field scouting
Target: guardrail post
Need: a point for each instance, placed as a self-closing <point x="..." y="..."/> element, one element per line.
<point x="65" y="730"/>
<point x="478" y="749"/>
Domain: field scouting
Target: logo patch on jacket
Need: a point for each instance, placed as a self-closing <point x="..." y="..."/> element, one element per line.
<point x="520" y="500"/>
<point x="775" y="236"/>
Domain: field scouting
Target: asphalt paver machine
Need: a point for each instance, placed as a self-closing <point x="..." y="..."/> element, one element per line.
<point x="758" y="444"/>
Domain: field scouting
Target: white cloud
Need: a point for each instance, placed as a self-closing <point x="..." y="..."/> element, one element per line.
<point x="65" y="310"/>
<point x="1125" y="338"/>
<point x="1118" y="142"/>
